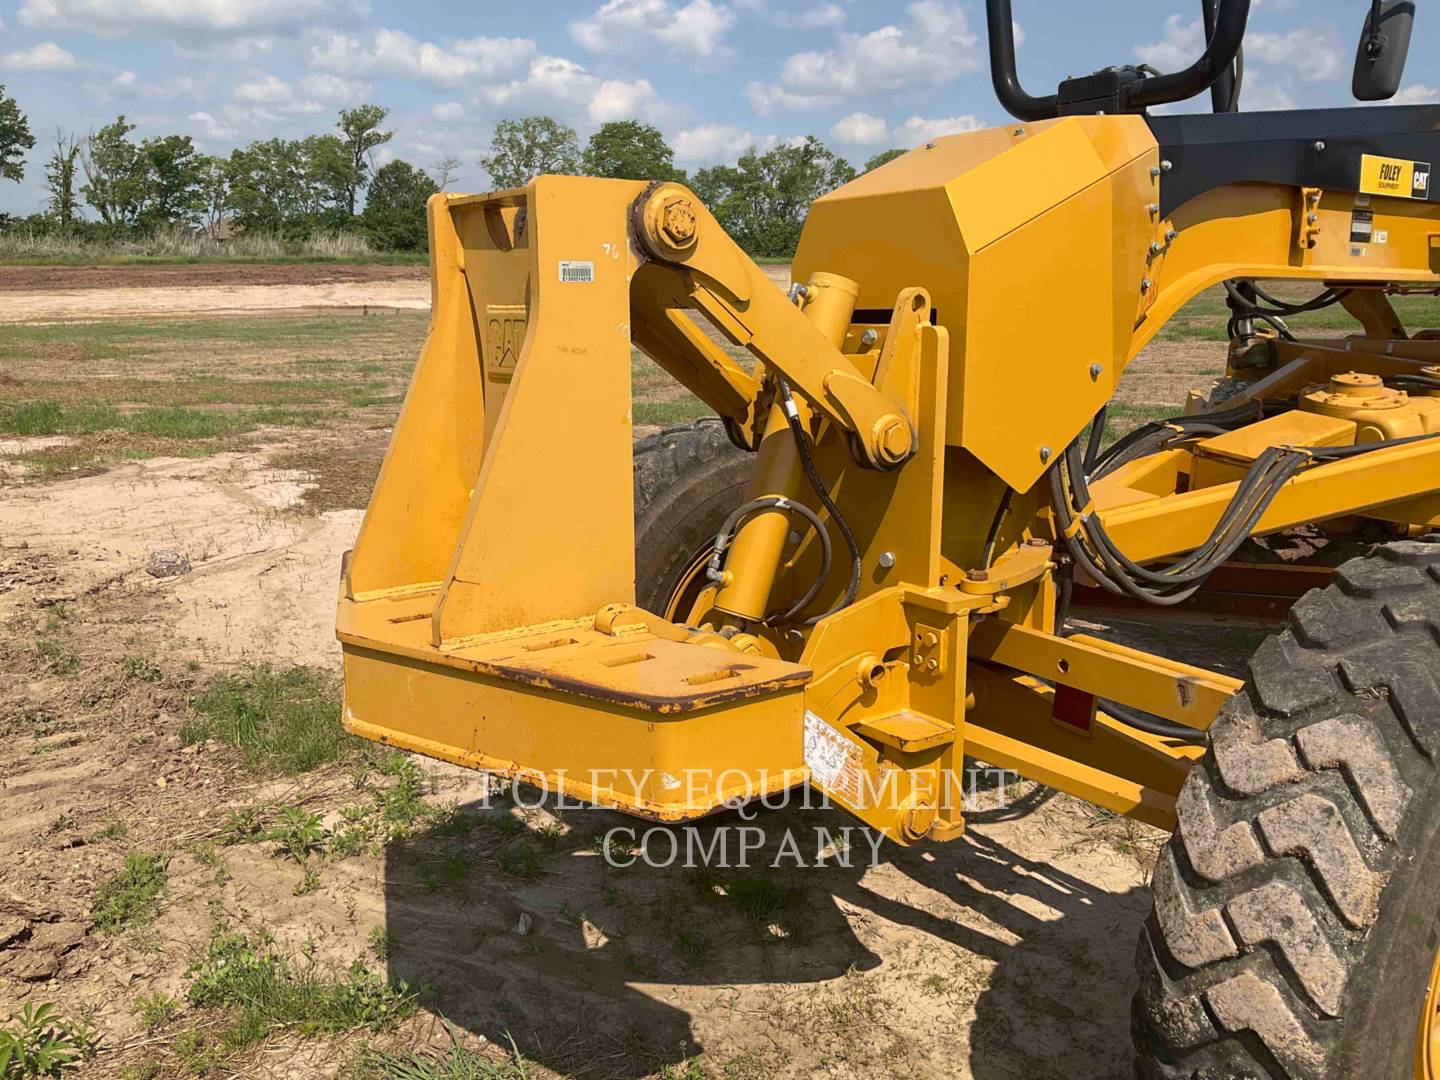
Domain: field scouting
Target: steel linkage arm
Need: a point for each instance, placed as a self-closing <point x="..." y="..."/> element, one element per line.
<point x="673" y="228"/>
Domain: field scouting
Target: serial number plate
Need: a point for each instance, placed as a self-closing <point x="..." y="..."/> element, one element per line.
<point x="1396" y="177"/>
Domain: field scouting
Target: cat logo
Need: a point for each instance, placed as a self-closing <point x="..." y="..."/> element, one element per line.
<point x="504" y="337"/>
<point x="1395" y="177"/>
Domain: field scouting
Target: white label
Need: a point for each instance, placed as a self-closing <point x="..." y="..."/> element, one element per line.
<point x="833" y="759"/>
<point x="1381" y="236"/>
<point x="576" y="271"/>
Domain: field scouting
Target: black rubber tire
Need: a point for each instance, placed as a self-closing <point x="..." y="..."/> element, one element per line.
<point x="1297" y="905"/>
<point x="687" y="480"/>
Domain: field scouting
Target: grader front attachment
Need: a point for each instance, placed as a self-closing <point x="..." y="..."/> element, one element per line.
<point x="885" y="599"/>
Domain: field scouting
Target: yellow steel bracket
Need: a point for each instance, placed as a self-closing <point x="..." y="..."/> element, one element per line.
<point x="674" y="228"/>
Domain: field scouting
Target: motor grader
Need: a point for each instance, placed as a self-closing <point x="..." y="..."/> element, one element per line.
<point x="860" y="572"/>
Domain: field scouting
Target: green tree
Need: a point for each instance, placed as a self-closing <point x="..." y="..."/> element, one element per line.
<point x="394" y="217"/>
<point x="361" y="127"/>
<point x="15" y="138"/>
<point x="523" y="149"/>
<point x="172" y="180"/>
<point x="328" y="180"/>
<point x="630" y="150"/>
<point x="115" y="174"/>
<point x="266" y="181"/>
<point x="61" y="200"/>
<point x="882" y="158"/>
<point x="762" y="199"/>
<point x="214" y="193"/>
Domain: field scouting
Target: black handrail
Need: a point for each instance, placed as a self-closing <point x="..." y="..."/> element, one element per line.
<point x="1214" y="62"/>
<point x="1002" y="68"/>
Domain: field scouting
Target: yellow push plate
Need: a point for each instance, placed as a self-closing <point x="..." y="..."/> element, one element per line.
<point x="1397" y="177"/>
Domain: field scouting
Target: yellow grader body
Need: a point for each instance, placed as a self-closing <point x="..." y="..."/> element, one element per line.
<point x="967" y="310"/>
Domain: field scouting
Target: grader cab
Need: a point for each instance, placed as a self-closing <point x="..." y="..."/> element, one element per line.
<point x="861" y="573"/>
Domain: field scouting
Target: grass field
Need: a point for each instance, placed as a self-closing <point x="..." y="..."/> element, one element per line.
<point x="89" y="394"/>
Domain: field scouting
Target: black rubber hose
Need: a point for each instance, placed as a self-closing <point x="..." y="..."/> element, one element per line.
<point x="807" y="462"/>
<point x="987" y="553"/>
<point x="775" y="502"/>
<point x="1153" y="725"/>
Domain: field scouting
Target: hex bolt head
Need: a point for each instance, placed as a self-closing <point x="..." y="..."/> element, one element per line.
<point x="678" y="222"/>
<point x="1166" y="166"/>
<point x="1145" y="284"/>
<point x="1312" y="218"/>
<point x="794" y="537"/>
<point x="886" y="560"/>
<point x="868" y="339"/>
<point x="978" y="575"/>
<point x="892" y="439"/>
<point x="1095" y="370"/>
<point x="1044" y="453"/>
<point x="1318" y="146"/>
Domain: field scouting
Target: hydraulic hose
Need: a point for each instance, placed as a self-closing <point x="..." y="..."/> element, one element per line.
<point x="774" y="502"/>
<point x="807" y="462"/>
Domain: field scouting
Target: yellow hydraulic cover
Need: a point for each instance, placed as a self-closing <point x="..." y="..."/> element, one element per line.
<point x="1040" y="318"/>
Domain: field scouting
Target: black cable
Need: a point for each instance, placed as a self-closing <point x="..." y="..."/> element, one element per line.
<point x="774" y="502"/>
<point x="1097" y="436"/>
<point x="1153" y="725"/>
<point x="792" y="416"/>
<point x="987" y="553"/>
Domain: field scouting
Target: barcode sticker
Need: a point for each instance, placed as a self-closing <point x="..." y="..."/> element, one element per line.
<point x="576" y="271"/>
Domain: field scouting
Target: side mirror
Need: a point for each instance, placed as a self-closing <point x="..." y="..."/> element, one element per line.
<point x="1384" y="43"/>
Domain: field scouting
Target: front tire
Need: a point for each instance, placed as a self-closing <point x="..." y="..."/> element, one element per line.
<point x="1297" y="905"/>
<point x="687" y="480"/>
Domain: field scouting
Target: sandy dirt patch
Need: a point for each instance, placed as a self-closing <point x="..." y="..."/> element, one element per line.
<point x="1002" y="956"/>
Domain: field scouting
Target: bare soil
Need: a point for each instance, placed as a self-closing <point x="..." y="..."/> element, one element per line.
<point x="192" y="275"/>
<point x="1006" y="954"/>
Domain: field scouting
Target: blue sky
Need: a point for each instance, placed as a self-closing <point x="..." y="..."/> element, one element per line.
<point x="715" y="75"/>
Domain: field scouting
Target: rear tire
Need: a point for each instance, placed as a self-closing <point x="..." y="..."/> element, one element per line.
<point x="1297" y="905"/>
<point x="687" y="480"/>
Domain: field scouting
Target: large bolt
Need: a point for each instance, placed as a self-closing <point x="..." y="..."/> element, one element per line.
<point x="892" y="439"/>
<point x="677" y="221"/>
<point x="886" y="560"/>
<point x="868" y="339"/>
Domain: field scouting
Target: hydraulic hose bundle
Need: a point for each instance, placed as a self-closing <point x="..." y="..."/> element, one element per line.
<point x="1091" y="547"/>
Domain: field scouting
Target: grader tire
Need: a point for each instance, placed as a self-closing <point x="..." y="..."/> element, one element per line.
<point x="1297" y="905"/>
<point x="687" y="480"/>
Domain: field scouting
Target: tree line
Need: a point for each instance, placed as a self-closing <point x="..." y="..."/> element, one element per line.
<point x="110" y="184"/>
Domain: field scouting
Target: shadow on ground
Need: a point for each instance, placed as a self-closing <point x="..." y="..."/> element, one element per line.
<point x="625" y="970"/>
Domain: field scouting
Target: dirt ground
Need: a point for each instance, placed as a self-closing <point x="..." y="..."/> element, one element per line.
<point x="1006" y="954"/>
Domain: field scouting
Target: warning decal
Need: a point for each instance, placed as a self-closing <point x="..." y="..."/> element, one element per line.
<point x="835" y="762"/>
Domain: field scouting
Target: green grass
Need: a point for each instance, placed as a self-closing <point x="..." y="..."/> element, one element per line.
<point x="131" y="898"/>
<point x="284" y="722"/>
<point x="455" y="1063"/>
<point x="394" y="258"/>
<point x="38" y="418"/>
<point x="1204" y="318"/>
<point x="263" y="990"/>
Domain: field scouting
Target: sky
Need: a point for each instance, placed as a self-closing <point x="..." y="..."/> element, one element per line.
<point x="716" y="76"/>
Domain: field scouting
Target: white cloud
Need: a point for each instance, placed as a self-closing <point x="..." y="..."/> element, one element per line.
<point x="860" y="129"/>
<point x="822" y="17"/>
<point x="448" y="111"/>
<point x="918" y="130"/>
<point x="334" y="88"/>
<point x="698" y="29"/>
<point x="396" y="53"/>
<point x="211" y="128"/>
<point x="311" y="94"/>
<point x="553" y="82"/>
<point x="933" y="46"/>
<point x="1181" y="44"/>
<point x="709" y="143"/>
<point x="127" y="83"/>
<point x="1416" y="94"/>
<point x="187" y="17"/>
<point x="269" y="90"/>
<point x="1310" y="53"/>
<point x="47" y="56"/>
<point x="766" y="98"/>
